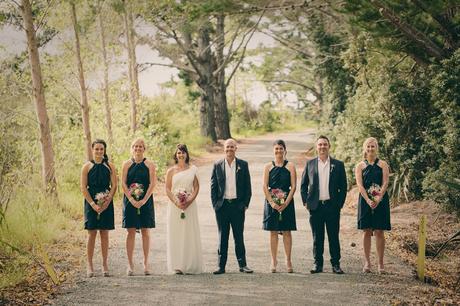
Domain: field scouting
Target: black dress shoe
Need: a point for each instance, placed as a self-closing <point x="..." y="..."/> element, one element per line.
<point x="219" y="271"/>
<point x="337" y="270"/>
<point x="245" y="270"/>
<point x="316" y="269"/>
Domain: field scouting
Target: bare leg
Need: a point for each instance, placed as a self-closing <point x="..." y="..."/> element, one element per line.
<point x="130" y="240"/>
<point x="104" y="249"/>
<point x="146" y="247"/>
<point x="287" y="240"/>
<point x="90" y="250"/>
<point x="380" y="244"/>
<point x="367" y="234"/>
<point x="273" y="249"/>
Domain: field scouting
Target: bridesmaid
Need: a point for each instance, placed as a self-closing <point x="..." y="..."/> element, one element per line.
<point x="138" y="211"/>
<point x="280" y="218"/>
<point x="373" y="212"/>
<point x="98" y="177"/>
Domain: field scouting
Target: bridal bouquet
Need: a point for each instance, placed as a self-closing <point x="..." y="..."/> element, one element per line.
<point x="278" y="196"/>
<point x="374" y="191"/>
<point x="182" y="195"/>
<point x="100" y="198"/>
<point x="136" y="190"/>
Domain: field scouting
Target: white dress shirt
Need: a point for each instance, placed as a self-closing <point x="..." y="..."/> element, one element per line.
<point x="323" y="175"/>
<point x="230" y="180"/>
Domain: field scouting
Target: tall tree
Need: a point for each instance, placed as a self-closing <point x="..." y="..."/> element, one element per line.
<point x="128" y="22"/>
<point x="81" y="79"/>
<point x="108" y="113"/>
<point x="38" y="92"/>
<point x="198" y="30"/>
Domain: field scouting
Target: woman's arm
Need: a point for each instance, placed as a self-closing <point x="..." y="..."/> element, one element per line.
<point x="359" y="182"/>
<point x="153" y="182"/>
<point x="196" y="189"/>
<point x="84" y="187"/>
<point x="124" y="184"/>
<point x="268" y="197"/>
<point x="292" y="171"/>
<point x="168" y="186"/>
<point x="385" y="179"/>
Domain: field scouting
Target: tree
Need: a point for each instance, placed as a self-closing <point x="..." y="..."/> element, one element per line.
<point x="199" y="34"/>
<point x="81" y="80"/>
<point x="425" y="30"/>
<point x="38" y="92"/>
<point x="128" y="22"/>
<point x="108" y="113"/>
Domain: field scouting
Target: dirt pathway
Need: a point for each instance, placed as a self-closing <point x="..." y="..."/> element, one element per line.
<point x="238" y="288"/>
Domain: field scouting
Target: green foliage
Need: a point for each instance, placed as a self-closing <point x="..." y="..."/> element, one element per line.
<point x="446" y="140"/>
<point x="434" y="21"/>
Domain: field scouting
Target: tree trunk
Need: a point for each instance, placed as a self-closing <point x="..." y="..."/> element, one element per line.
<point x="134" y="66"/>
<point x="108" y="113"/>
<point x="81" y="79"/>
<point x="48" y="173"/>
<point x="221" y="109"/>
<point x="206" y="85"/>
<point x="131" y="66"/>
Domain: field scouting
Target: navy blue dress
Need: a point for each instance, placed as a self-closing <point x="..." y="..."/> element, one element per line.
<point x="138" y="173"/>
<point x="379" y="219"/>
<point x="98" y="181"/>
<point x="279" y="177"/>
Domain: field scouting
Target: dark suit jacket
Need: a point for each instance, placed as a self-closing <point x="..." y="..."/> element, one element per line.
<point x="243" y="184"/>
<point x="309" y="187"/>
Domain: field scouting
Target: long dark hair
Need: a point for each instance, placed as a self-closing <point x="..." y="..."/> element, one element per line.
<point x="183" y="148"/>
<point x="105" y="159"/>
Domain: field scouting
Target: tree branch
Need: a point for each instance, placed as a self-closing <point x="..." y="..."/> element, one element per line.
<point x="243" y="53"/>
<point x="313" y="90"/>
<point x="144" y="66"/>
<point x="410" y="32"/>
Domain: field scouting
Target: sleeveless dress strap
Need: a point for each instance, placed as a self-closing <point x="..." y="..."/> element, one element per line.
<point x="93" y="162"/>
<point x="376" y="161"/>
<point x="273" y="163"/>
<point x="366" y="162"/>
<point x="285" y="162"/>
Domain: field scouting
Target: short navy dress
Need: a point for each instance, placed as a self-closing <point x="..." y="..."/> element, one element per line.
<point x="98" y="181"/>
<point x="280" y="178"/>
<point x="138" y="173"/>
<point x="379" y="218"/>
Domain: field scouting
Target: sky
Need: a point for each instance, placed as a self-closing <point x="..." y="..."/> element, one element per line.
<point x="13" y="41"/>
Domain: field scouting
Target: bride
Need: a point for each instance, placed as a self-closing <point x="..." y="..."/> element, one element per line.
<point x="184" y="254"/>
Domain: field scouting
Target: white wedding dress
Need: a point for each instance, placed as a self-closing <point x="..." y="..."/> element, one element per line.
<point x="183" y="235"/>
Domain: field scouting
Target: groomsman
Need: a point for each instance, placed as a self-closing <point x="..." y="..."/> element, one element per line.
<point x="230" y="196"/>
<point x="323" y="190"/>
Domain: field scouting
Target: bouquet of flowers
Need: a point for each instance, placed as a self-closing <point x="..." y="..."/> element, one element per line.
<point x="100" y="198"/>
<point x="374" y="191"/>
<point x="182" y="195"/>
<point x="136" y="190"/>
<point x="278" y="196"/>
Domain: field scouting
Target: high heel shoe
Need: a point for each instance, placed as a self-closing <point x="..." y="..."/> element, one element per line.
<point x="367" y="268"/>
<point x="273" y="267"/>
<point x="129" y="272"/>
<point x="90" y="274"/>
<point x="105" y="273"/>
<point x="381" y="271"/>
<point x="289" y="268"/>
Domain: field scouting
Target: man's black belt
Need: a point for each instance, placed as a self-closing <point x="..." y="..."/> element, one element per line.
<point x="229" y="201"/>
<point x="324" y="202"/>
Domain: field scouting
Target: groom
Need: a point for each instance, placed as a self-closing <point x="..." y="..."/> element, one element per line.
<point x="323" y="189"/>
<point x="230" y="196"/>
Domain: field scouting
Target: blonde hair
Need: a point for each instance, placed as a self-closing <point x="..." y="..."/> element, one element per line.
<point x="366" y="142"/>
<point x="141" y="140"/>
